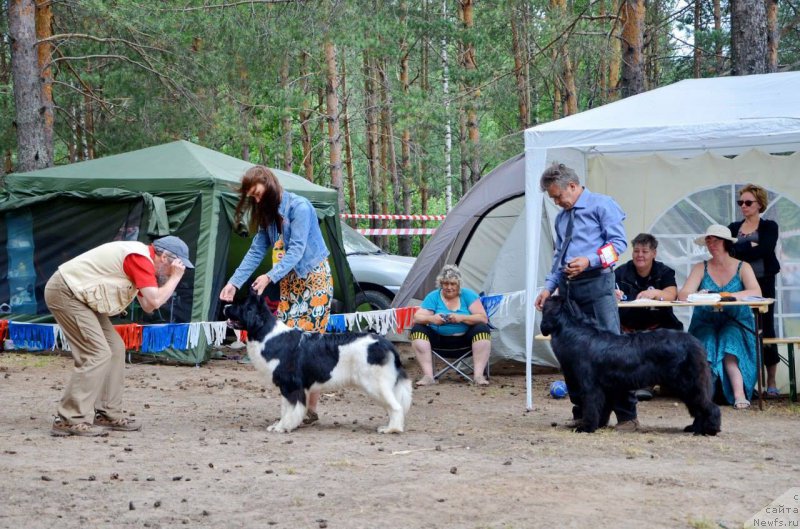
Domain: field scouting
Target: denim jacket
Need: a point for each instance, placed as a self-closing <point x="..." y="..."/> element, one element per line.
<point x="305" y="247"/>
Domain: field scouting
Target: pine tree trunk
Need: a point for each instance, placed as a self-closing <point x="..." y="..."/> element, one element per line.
<point x="78" y="133"/>
<point x="88" y="111"/>
<point x="568" y="92"/>
<point x="720" y="60"/>
<point x="464" y="150"/>
<point x="470" y="65"/>
<point x="348" y="149"/>
<point x="44" y="29"/>
<point x="334" y="134"/>
<point x="286" y="120"/>
<point x="603" y="66"/>
<point x="519" y="71"/>
<point x="615" y="63"/>
<point x="448" y="132"/>
<point x="373" y="155"/>
<point x="773" y="35"/>
<point x="633" y="14"/>
<point x="32" y="149"/>
<point x="306" y="130"/>
<point x="748" y="37"/>
<point x="390" y="152"/>
<point x="698" y="28"/>
<point x="404" y="176"/>
<point x="652" y="46"/>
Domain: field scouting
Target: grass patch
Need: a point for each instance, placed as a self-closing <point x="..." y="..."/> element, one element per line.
<point x="703" y="524"/>
<point x="25" y="360"/>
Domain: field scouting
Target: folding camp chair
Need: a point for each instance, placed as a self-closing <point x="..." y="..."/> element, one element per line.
<point x="458" y="360"/>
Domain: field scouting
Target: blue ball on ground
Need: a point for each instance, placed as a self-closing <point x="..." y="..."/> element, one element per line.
<point x="558" y="389"/>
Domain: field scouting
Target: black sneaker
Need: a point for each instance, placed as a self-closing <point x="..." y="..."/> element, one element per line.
<point x="643" y="394"/>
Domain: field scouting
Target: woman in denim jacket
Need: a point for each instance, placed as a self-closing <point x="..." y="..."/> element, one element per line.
<point x="286" y="223"/>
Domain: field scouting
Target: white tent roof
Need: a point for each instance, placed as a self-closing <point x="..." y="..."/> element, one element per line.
<point x="725" y="115"/>
<point x="703" y="114"/>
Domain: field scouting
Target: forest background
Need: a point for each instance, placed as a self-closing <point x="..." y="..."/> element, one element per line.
<point x="401" y="105"/>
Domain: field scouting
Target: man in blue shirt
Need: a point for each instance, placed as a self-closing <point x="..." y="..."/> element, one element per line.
<point x="589" y="224"/>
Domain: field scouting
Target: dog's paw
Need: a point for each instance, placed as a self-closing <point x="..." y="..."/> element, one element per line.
<point x="277" y="428"/>
<point x="388" y="429"/>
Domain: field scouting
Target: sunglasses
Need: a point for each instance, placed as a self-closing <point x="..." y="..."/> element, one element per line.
<point x="747" y="203"/>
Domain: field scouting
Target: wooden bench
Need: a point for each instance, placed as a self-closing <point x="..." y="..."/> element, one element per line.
<point x="789" y="360"/>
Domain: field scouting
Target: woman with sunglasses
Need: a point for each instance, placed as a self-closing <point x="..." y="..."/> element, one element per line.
<point x="757" y="238"/>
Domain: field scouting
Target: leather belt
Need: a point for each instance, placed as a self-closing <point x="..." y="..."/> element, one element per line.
<point x="590" y="274"/>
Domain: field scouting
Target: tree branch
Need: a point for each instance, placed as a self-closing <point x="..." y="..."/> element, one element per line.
<point x="230" y="4"/>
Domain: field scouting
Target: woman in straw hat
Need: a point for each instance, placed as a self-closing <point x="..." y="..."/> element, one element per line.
<point x="728" y="334"/>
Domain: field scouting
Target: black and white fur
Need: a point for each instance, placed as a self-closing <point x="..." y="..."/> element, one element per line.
<point x="599" y="365"/>
<point x="298" y="362"/>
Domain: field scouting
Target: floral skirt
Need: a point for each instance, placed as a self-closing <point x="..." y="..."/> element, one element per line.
<point x="306" y="301"/>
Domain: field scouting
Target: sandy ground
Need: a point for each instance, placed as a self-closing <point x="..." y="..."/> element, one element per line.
<point x="471" y="457"/>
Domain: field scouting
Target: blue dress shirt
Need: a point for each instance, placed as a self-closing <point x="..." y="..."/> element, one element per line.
<point x="598" y="221"/>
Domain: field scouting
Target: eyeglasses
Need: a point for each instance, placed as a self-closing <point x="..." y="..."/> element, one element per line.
<point x="747" y="203"/>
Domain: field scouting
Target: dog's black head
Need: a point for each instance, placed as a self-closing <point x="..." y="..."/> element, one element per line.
<point x="252" y="315"/>
<point x="559" y="312"/>
<point x="552" y="309"/>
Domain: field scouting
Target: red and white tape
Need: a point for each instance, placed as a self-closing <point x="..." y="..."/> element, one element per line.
<point x="396" y="231"/>
<point x="392" y="217"/>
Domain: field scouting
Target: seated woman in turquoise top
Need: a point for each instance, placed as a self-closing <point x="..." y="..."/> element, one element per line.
<point x="451" y="317"/>
<point x="728" y="335"/>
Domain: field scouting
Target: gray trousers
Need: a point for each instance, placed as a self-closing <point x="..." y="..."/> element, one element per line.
<point x="98" y="352"/>
<point x="596" y="299"/>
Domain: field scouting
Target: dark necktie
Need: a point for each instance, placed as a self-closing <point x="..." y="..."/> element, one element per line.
<point x="565" y="242"/>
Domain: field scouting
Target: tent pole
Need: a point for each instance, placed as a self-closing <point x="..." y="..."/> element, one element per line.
<point x="535" y="160"/>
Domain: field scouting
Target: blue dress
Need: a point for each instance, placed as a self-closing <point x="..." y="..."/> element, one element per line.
<point x="721" y="335"/>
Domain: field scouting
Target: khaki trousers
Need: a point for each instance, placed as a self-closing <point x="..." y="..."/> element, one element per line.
<point x="98" y="351"/>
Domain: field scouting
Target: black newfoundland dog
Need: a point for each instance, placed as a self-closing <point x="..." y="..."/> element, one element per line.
<point x="597" y="364"/>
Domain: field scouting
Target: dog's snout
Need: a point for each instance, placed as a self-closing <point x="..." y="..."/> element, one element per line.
<point x="225" y="310"/>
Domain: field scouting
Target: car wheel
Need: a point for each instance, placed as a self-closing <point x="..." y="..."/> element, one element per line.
<point x="372" y="300"/>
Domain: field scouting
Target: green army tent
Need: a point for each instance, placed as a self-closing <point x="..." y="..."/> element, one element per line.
<point x="51" y="215"/>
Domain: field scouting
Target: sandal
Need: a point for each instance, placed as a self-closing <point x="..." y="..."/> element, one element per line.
<point x="123" y="424"/>
<point x="62" y="428"/>
<point x="773" y="393"/>
<point x="742" y="404"/>
<point x="311" y="417"/>
<point x="426" y="381"/>
<point x="481" y="381"/>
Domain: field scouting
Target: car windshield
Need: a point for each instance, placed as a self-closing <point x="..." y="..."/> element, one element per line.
<point x="357" y="244"/>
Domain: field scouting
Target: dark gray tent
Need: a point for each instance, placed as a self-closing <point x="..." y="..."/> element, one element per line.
<point x="484" y="236"/>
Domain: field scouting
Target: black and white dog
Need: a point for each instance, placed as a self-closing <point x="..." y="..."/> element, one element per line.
<point x="298" y="362"/>
<point x="598" y="365"/>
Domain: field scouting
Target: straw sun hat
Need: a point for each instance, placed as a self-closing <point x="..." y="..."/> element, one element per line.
<point x="715" y="230"/>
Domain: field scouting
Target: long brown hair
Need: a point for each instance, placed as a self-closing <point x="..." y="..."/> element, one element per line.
<point x="263" y="213"/>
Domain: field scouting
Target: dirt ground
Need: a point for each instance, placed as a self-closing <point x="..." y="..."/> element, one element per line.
<point x="471" y="457"/>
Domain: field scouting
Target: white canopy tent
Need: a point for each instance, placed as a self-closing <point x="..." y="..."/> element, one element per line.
<point x="718" y="116"/>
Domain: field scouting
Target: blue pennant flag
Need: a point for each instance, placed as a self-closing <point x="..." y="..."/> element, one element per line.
<point x="336" y="323"/>
<point x="491" y="304"/>
<point x="32" y="336"/>
<point x="156" y="338"/>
